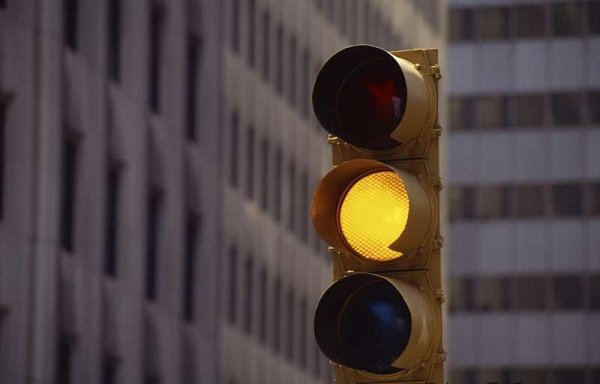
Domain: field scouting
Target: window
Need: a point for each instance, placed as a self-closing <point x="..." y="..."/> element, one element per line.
<point x="68" y="189"/>
<point x="594" y="102"/>
<point x="63" y="359"/>
<point x="292" y="195"/>
<point x="113" y="28"/>
<point x="154" y="52"/>
<point x="493" y="376"/>
<point x="567" y="18"/>
<point x="266" y="44"/>
<point x="529" y="200"/>
<point x="329" y="5"/>
<point x="531" y="293"/>
<point x="194" y="48"/>
<point x="290" y="323"/>
<point x="277" y="314"/>
<point x="531" y="21"/>
<point x="154" y="219"/>
<point x="251" y="33"/>
<point x="465" y="376"/>
<point x="70" y="16"/>
<point x="234" y="150"/>
<point x="305" y="83"/>
<point x="566" y="108"/>
<point x="250" y="162"/>
<point x="462" y="294"/>
<point x="262" y="313"/>
<point x="493" y="112"/>
<point x="111" y="216"/>
<point x="304" y="206"/>
<point x="493" y="23"/>
<point x="493" y="202"/>
<point x="461" y="24"/>
<point x="462" y="203"/>
<point x="264" y="160"/>
<point x="151" y="378"/>
<point x="3" y="109"/>
<point x="530" y="110"/>
<point x="342" y="19"/>
<point x="494" y="294"/>
<point x="366" y="21"/>
<point x="316" y="360"/>
<point x="531" y="375"/>
<point x="593" y="13"/>
<point x="233" y="284"/>
<point x="110" y="368"/>
<point x="462" y="112"/>
<point x="292" y="71"/>
<point x="235" y="25"/>
<point x="192" y="234"/>
<point x="3" y="344"/>
<point x="278" y="186"/>
<point x="595" y="292"/>
<point x="248" y="293"/>
<point x="279" y="55"/>
<point x="303" y="342"/>
<point x="593" y="199"/>
<point x="568" y="292"/>
<point x="569" y="376"/>
<point x="567" y="199"/>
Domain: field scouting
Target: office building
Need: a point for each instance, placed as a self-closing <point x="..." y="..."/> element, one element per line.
<point x="524" y="101"/>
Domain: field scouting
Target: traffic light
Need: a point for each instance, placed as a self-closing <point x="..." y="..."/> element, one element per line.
<point x="378" y="208"/>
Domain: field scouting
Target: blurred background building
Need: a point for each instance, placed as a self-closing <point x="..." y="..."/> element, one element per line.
<point x="524" y="166"/>
<point x="156" y="166"/>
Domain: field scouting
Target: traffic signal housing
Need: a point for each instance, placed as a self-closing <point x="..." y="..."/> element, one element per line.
<point x="378" y="209"/>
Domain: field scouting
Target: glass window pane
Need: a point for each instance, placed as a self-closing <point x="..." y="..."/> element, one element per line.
<point x="593" y="205"/>
<point x="461" y="113"/>
<point x="531" y="21"/>
<point x="566" y="18"/>
<point x="594" y="103"/>
<point x="461" y="24"/>
<point x="493" y="23"/>
<point x="529" y="201"/>
<point x="491" y="376"/>
<point x="492" y="202"/>
<point x="531" y="293"/>
<point x="494" y="294"/>
<point x="566" y="108"/>
<point x="492" y="112"/>
<point x="530" y="111"/>
<point x="462" y="294"/>
<point x="567" y="199"/>
<point x="567" y="292"/>
<point x="595" y="292"/>
<point x="569" y="376"/>
<point x="532" y="375"/>
<point x="594" y="17"/>
<point x="462" y="203"/>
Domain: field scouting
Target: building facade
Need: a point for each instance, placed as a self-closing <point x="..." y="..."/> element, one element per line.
<point x="525" y="191"/>
<point x="156" y="169"/>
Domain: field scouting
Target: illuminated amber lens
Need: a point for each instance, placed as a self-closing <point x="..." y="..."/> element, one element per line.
<point x="373" y="215"/>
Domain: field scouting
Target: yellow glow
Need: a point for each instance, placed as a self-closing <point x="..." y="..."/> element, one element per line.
<point x="373" y="215"/>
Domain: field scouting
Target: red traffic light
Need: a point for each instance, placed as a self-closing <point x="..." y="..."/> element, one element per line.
<point x="363" y="94"/>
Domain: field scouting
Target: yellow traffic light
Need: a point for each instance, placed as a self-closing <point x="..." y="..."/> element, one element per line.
<point x="378" y="208"/>
<point x="373" y="213"/>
